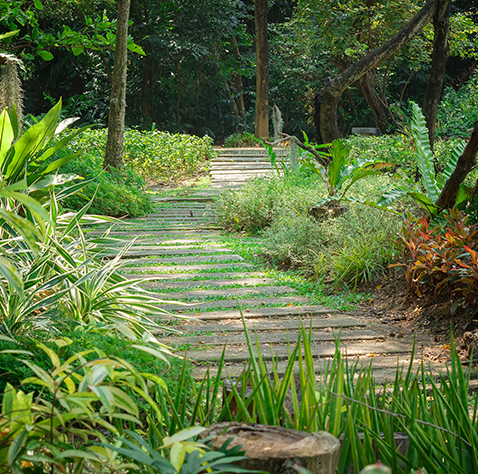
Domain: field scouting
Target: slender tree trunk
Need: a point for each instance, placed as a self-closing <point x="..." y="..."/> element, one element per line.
<point x="145" y="92"/>
<point x="235" y="111"/>
<point x="379" y="109"/>
<point x="331" y="93"/>
<point x="116" y="116"/>
<point x="441" y="52"/>
<point x="262" y="60"/>
<point x="466" y="163"/>
<point x="239" y="96"/>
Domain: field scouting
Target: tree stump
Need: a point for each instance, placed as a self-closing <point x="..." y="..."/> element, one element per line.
<point x="275" y="449"/>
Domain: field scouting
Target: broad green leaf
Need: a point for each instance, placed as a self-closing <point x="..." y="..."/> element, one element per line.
<point x="10" y="273"/>
<point x="46" y="55"/>
<point x="177" y="455"/>
<point x="423" y="153"/>
<point x="151" y="351"/>
<point x="182" y="435"/>
<point x="38" y="4"/>
<point x="6" y="136"/>
<point x="453" y="160"/>
<point x="8" y="35"/>
<point x="77" y="50"/>
<point x="339" y="152"/>
<point x="55" y="360"/>
<point x="52" y="180"/>
<point x="16" y="446"/>
<point x="33" y="140"/>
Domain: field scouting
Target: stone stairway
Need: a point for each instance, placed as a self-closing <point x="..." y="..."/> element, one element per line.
<point x="183" y="258"/>
<point x="232" y="167"/>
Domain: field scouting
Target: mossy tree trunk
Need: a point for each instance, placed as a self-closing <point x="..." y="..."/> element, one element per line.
<point x="116" y="116"/>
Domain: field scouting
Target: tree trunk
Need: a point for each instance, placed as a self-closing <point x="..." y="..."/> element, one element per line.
<point x="145" y="92"/>
<point x="116" y="116"/>
<point x="466" y="162"/>
<point x="275" y="449"/>
<point x="379" y="109"/>
<point x="440" y="54"/>
<point x="262" y="61"/>
<point x="238" y="96"/>
<point x="331" y="93"/>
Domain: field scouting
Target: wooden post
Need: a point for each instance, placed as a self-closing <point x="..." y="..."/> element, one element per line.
<point x="276" y="450"/>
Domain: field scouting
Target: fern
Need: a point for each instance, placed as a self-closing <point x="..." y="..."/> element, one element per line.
<point x="424" y="154"/>
<point x="451" y="165"/>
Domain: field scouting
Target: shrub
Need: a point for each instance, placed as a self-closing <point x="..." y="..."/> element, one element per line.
<point x="155" y="156"/>
<point x="241" y="140"/>
<point x="264" y="200"/>
<point x="458" y="111"/>
<point x="354" y="247"/>
<point x="442" y="259"/>
<point x="115" y="194"/>
<point x="398" y="149"/>
<point x="294" y="241"/>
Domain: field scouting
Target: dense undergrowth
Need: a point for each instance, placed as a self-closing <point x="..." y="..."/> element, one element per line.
<point x="352" y="248"/>
<point x="149" y="157"/>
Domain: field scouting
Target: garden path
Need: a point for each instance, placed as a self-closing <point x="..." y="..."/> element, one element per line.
<point x="183" y="258"/>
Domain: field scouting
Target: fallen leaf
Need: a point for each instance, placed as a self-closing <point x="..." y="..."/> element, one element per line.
<point x="446" y="347"/>
<point x="379" y="286"/>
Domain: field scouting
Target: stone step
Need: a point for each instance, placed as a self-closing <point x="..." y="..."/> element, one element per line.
<point x="326" y="322"/>
<point x="279" y="313"/>
<point x="384" y="367"/>
<point x="198" y="234"/>
<point x="163" y="247"/>
<point x="230" y="293"/>
<point x="244" y="302"/>
<point x="232" y="171"/>
<point x="178" y="251"/>
<point x="184" y="199"/>
<point x="221" y="339"/>
<point x="238" y="354"/>
<point x="173" y="219"/>
<point x="189" y="277"/>
<point x="184" y="268"/>
<point x="192" y="284"/>
<point x="179" y="260"/>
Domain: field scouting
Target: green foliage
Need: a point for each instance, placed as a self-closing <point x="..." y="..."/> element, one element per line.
<point x="339" y="170"/>
<point x="294" y="241"/>
<point x="457" y="111"/>
<point x="155" y="156"/>
<point x="108" y="193"/>
<point x="239" y="140"/>
<point x="442" y="259"/>
<point x="432" y="182"/>
<point x="345" y="400"/>
<point x="397" y="149"/>
<point x="83" y="417"/>
<point x="262" y="201"/>
<point x="353" y="248"/>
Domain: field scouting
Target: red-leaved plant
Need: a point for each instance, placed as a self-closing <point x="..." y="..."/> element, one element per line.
<point x="442" y="258"/>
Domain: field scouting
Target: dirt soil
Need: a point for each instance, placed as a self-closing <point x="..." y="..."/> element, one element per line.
<point x="426" y="318"/>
